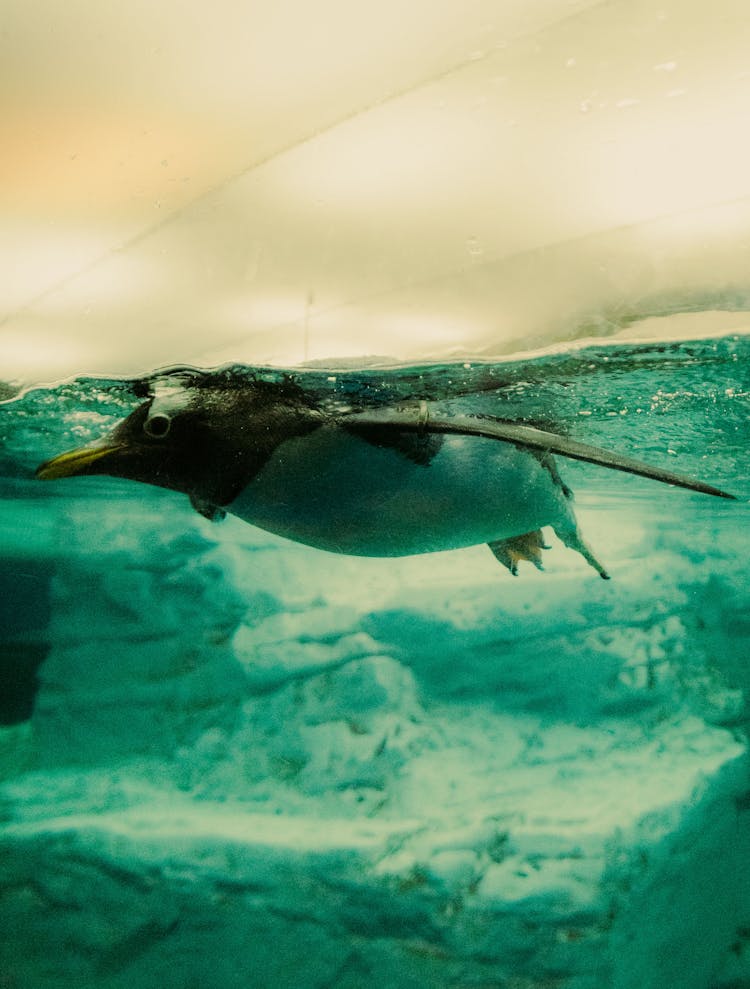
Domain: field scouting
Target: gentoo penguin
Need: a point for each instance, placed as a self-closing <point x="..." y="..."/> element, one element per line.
<point x="390" y="482"/>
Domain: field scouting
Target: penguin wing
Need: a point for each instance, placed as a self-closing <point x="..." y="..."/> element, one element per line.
<point x="421" y="448"/>
<point x="420" y="420"/>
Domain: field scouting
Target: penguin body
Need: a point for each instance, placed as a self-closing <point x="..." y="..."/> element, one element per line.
<point x="336" y="491"/>
<point x="393" y="482"/>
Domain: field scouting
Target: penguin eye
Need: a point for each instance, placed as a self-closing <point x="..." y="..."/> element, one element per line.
<point x="157" y="426"/>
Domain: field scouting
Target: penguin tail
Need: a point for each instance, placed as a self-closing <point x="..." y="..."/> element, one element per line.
<point x="570" y="536"/>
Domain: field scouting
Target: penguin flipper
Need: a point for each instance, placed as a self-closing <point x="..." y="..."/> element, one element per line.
<point x="419" y="448"/>
<point x="418" y="420"/>
<point x="207" y="509"/>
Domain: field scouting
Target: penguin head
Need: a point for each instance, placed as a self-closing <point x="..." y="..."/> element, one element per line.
<point x="207" y="440"/>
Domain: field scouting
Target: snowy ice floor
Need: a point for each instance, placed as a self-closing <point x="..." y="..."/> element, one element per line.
<point x="251" y="764"/>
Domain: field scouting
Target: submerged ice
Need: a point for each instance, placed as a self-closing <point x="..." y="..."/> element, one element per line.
<point x="248" y="762"/>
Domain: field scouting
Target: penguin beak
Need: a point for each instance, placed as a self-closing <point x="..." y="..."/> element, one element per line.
<point x="76" y="462"/>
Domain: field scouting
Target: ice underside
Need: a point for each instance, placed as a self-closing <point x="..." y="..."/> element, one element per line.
<point x="253" y="764"/>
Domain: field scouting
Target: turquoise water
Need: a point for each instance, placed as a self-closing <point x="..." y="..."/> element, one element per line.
<point x="153" y="661"/>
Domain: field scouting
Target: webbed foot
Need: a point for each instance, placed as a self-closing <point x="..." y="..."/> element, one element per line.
<point x="511" y="551"/>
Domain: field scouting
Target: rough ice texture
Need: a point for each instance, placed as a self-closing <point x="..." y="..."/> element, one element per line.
<point x="254" y="764"/>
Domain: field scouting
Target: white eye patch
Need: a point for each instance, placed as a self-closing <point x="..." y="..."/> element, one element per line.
<point x="169" y="400"/>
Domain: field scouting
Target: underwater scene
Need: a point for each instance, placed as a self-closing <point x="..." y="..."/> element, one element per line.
<point x="339" y="699"/>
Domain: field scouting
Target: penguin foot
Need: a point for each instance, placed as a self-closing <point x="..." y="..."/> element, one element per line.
<point x="511" y="551"/>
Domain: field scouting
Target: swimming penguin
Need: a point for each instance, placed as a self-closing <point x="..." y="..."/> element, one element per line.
<point x="395" y="481"/>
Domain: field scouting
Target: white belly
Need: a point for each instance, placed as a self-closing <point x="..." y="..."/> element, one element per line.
<point x="337" y="492"/>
